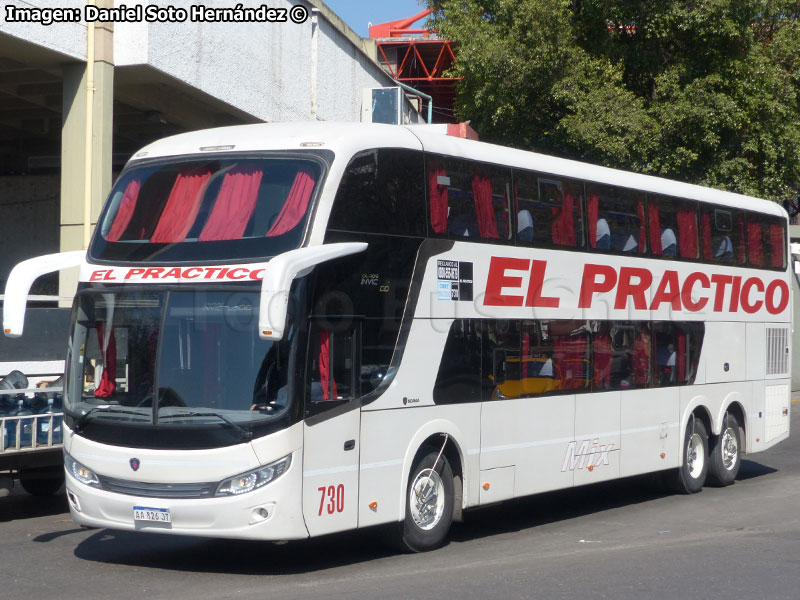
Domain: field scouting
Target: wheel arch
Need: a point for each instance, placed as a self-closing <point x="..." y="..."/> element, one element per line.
<point x="733" y="398"/>
<point x="697" y="408"/>
<point x="431" y="437"/>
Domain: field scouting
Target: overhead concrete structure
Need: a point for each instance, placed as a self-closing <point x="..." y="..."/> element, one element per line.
<point x="149" y="80"/>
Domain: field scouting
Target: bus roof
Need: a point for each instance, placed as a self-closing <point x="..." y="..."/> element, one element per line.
<point x="346" y="139"/>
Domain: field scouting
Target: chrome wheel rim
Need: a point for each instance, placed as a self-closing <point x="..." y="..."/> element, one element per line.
<point x="695" y="456"/>
<point x="729" y="449"/>
<point x="426" y="499"/>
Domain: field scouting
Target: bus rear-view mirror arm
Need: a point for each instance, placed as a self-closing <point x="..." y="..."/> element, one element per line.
<point x="278" y="276"/>
<point x="21" y="279"/>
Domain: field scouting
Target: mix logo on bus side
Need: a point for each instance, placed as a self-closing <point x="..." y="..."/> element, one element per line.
<point x="590" y="454"/>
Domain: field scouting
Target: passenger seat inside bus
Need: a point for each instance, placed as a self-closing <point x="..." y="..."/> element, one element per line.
<point x="525" y="226"/>
<point x="669" y="244"/>
<point x="603" y="237"/>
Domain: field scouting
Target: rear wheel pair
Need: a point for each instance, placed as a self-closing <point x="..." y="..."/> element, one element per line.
<point x="716" y="462"/>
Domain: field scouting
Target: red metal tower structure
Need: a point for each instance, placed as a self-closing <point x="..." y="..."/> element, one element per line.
<point x="418" y="58"/>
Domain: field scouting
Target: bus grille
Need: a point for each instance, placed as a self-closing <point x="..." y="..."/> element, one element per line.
<point x="777" y="351"/>
<point x="158" y="490"/>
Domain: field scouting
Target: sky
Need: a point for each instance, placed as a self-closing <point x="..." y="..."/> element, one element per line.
<point x="358" y="13"/>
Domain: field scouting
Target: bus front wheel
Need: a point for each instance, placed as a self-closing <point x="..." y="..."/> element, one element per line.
<point x="691" y="476"/>
<point x="725" y="453"/>
<point x="429" y="504"/>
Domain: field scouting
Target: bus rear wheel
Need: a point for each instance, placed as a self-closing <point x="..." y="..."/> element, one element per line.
<point x="691" y="476"/>
<point x="429" y="504"/>
<point x="725" y="454"/>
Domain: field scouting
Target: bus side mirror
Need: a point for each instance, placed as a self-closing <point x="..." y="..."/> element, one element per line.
<point x="278" y="276"/>
<point x="21" y="279"/>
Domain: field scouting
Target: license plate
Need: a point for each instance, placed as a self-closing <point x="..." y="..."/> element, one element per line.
<point x="157" y="515"/>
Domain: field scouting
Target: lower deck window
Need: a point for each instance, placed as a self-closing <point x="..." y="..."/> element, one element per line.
<point x="499" y="359"/>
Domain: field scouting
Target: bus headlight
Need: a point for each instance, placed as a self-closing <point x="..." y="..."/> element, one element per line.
<point x="81" y="473"/>
<point x="247" y="482"/>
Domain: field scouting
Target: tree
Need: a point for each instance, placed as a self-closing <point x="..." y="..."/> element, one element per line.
<point x="701" y="91"/>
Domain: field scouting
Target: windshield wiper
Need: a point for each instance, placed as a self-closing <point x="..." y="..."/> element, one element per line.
<point x="244" y="433"/>
<point x="81" y="420"/>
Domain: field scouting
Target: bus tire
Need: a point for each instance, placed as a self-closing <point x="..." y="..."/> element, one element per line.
<point x="725" y="454"/>
<point x="691" y="475"/>
<point x="41" y="486"/>
<point x="429" y="504"/>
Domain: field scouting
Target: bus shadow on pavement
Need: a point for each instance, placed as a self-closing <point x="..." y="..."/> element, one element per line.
<point x="238" y="557"/>
<point x="751" y="469"/>
<point x="23" y="506"/>
<point x="563" y="505"/>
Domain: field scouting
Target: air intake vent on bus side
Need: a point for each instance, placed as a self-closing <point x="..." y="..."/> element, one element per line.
<point x="777" y="351"/>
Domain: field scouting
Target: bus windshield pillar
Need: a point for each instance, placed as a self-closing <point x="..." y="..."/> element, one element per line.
<point x="278" y="276"/>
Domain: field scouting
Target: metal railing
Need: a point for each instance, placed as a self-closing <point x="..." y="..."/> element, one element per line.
<point x="30" y="432"/>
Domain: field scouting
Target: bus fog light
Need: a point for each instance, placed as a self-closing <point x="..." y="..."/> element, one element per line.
<point x="83" y="474"/>
<point x="73" y="500"/>
<point x="247" y="482"/>
<point x="262" y="513"/>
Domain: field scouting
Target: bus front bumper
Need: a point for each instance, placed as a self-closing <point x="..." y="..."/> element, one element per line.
<point x="273" y="512"/>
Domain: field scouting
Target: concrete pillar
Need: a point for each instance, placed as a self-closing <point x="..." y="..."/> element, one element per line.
<point x="73" y="145"/>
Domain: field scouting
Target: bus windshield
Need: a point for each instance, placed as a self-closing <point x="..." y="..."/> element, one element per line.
<point x="167" y="358"/>
<point x="211" y="209"/>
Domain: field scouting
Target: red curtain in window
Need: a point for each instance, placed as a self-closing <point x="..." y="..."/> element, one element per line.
<point x="777" y="245"/>
<point x="437" y="194"/>
<point x="754" y="246"/>
<point x="482" y="195"/>
<point x="234" y="206"/>
<point x="740" y="247"/>
<point x="680" y="361"/>
<point x="687" y="233"/>
<point x="641" y="358"/>
<point x="325" y="375"/>
<point x="655" y="230"/>
<point x="642" y="228"/>
<point x="181" y="208"/>
<point x="126" y="207"/>
<point x="602" y="361"/>
<point x="564" y="223"/>
<point x="706" y="226"/>
<point x="294" y="209"/>
<point x="593" y="213"/>
<point x="108" y="352"/>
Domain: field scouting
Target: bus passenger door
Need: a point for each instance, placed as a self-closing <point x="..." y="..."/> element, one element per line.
<point x="331" y="444"/>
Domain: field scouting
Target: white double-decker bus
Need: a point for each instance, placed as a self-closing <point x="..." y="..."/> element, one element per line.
<point x="289" y="330"/>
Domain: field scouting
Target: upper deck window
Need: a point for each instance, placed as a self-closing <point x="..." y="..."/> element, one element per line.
<point x="616" y="219"/>
<point x="549" y="211"/>
<point x="217" y="209"/>
<point x="469" y="200"/>
<point x="381" y="192"/>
